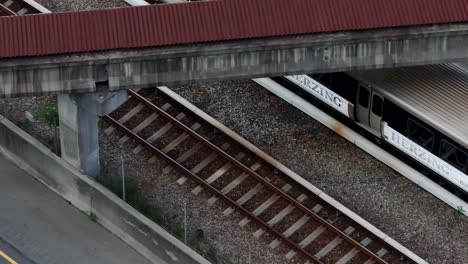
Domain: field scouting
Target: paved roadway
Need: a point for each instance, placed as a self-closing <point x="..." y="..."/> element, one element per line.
<point x="39" y="227"/>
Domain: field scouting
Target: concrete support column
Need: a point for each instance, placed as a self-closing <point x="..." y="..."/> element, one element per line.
<point x="79" y="135"/>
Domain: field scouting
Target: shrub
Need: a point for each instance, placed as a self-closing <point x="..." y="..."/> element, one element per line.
<point x="28" y="127"/>
<point x="158" y="217"/>
<point x="49" y="114"/>
<point x="93" y="216"/>
<point x="179" y="231"/>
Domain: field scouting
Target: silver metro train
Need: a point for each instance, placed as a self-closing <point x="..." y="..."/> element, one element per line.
<point x="419" y="112"/>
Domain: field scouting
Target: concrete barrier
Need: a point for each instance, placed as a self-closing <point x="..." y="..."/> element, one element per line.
<point x="124" y="221"/>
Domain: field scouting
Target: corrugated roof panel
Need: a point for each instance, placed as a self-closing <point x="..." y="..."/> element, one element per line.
<point x="149" y="30"/>
<point x="20" y="44"/>
<point x="11" y="35"/>
<point x="163" y="26"/>
<point x="99" y="32"/>
<point x="33" y="37"/>
<point x="172" y="24"/>
<point x="204" y="19"/>
<point x="125" y="28"/>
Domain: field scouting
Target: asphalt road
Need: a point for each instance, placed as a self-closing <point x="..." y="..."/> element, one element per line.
<point x="39" y="227"/>
<point x="9" y="254"/>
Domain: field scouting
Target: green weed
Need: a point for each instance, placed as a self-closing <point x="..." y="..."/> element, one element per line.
<point x="93" y="216"/>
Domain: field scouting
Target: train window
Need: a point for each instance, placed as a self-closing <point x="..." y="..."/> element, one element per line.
<point x="363" y="96"/>
<point x="453" y="155"/>
<point x="377" y="105"/>
<point x="420" y="134"/>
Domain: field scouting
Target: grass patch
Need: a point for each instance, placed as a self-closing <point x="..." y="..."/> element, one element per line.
<point x="93" y="216"/>
<point x="132" y="195"/>
<point x="179" y="232"/>
<point x="28" y="127"/>
<point x="198" y="241"/>
<point x="158" y="217"/>
<point x="49" y="114"/>
<point x="460" y="210"/>
<point x="135" y="198"/>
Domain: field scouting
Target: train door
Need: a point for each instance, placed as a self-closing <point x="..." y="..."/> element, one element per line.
<point x="376" y="112"/>
<point x="369" y="109"/>
<point x="362" y="106"/>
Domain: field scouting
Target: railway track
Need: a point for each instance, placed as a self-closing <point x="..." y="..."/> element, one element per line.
<point x="20" y="7"/>
<point x="282" y="212"/>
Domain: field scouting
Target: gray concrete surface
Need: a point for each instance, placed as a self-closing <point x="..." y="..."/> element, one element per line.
<point x="87" y="195"/>
<point x="10" y="253"/>
<point x="78" y="139"/>
<point x="38" y="226"/>
<point x="243" y="59"/>
<point x="78" y="127"/>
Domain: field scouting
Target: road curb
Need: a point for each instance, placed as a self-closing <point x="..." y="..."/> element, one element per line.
<point x="139" y="232"/>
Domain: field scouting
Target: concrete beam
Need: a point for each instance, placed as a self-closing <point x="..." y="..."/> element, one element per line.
<point x="243" y="59"/>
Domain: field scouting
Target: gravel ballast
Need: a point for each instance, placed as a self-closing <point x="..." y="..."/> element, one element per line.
<point x="413" y="217"/>
<point x="231" y="243"/>
<point x="74" y="5"/>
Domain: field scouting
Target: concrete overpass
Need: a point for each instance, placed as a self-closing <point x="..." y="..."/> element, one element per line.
<point x="138" y="47"/>
<point x="90" y="58"/>
<point x="238" y="59"/>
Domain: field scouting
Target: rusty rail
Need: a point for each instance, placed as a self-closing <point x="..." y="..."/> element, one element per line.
<point x="5" y="11"/>
<point x="259" y="178"/>
<point x="206" y="185"/>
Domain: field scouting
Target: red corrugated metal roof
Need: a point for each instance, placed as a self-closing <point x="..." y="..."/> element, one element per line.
<point x="173" y="24"/>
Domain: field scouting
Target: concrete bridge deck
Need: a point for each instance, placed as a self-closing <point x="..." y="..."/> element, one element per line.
<point x="239" y="59"/>
<point x="87" y="62"/>
<point x="108" y="50"/>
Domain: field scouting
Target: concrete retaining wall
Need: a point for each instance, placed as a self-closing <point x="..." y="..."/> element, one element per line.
<point x="118" y="217"/>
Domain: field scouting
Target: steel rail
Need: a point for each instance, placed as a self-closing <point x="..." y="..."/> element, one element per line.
<point x="5" y="10"/>
<point x="260" y="178"/>
<point x="212" y="189"/>
<point x="31" y="5"/>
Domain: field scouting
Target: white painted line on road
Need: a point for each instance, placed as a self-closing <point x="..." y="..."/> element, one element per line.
<point x="172" y="255"/>
<point x="134" y="226"/>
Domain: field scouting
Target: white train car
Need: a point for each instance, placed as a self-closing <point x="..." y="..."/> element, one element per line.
<point x="420" y="112"/>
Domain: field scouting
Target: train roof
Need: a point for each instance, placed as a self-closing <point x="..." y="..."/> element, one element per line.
<point x="436" y="94"/>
